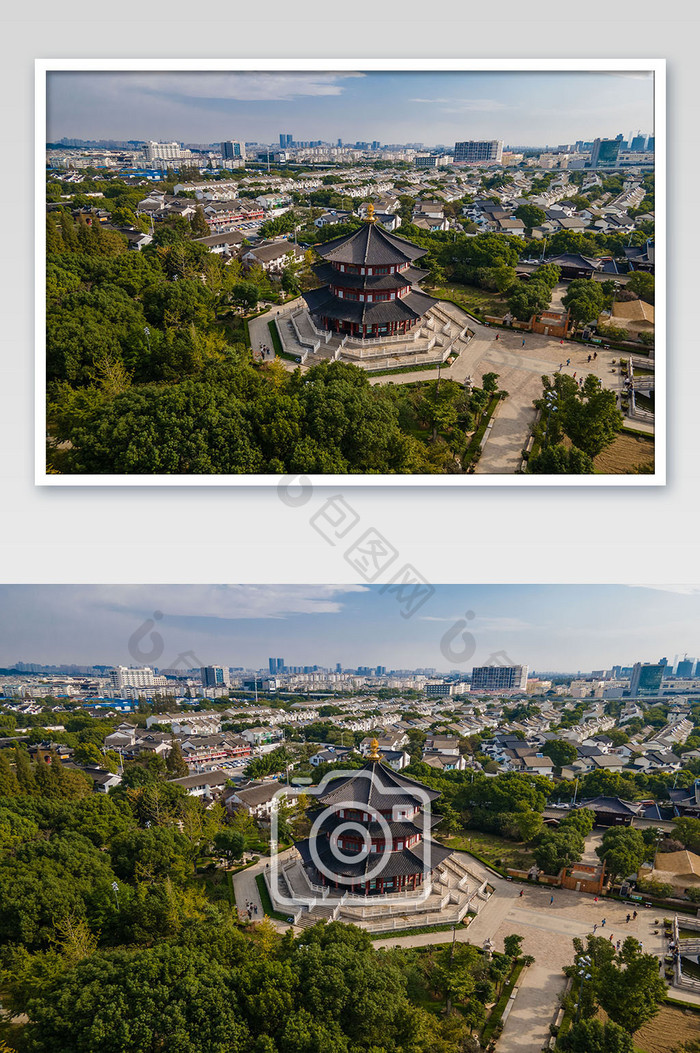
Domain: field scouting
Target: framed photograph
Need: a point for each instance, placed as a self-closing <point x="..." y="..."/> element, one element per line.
<point x="359" y="272"/>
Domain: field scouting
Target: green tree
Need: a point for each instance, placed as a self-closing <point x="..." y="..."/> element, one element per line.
<point x="558" y="848"/>
<point x="561" y="460"/>
<point x="629" y="988"/>
<point x="531" y="216"/>
<point x="175" y="762"/>
<point x="198" y="223"/>
<point x="560" y="751"/>
<point x="176" y="998"/>
<point x="594" y="1036"/>
<point x="591" y="419"/>
<point x="623" y="851"/>
<point x="642" y="284"/>
<point x="687" y="831"/>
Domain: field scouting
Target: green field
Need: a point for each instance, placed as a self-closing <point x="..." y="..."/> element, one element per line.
<point x="469" y="297"/>
<point x="494" y="850"/>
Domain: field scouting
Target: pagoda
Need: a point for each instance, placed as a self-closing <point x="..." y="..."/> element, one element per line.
<point x="368" y="833"/>
<point x="370" y="285"/>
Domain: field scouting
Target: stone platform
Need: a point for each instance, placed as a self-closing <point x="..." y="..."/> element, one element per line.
<point x="444" y="332"/>
<point x="455" y="892"/>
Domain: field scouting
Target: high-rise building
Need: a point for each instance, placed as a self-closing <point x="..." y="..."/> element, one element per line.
<point x="125" y="676"/>
<point x="605" y="152"/>
<point x="380" y="670"/>
<point x="646" y="679"/>
<point x="650" y="144"/>
<point x="213" y="676"/>
<point x="166" y="152"/>
<point x="232" y="150"/>
<point x="276" y="665"/>
<point x="472" y="150"/>
<point x="639" y="142"/>
<point x="499" y="678"/>
<point x="685" y="667"/>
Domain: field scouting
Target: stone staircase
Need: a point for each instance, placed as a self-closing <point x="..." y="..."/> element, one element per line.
<point x="441" y="334"/>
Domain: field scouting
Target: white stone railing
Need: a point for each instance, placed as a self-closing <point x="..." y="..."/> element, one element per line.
<point x="304" y="341"/>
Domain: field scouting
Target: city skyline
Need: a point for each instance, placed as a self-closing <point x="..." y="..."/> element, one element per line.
<point x="547" y="627"/>
<point x="535" y="108"/>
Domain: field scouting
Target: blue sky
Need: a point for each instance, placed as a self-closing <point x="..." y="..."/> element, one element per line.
<point x="561" y="627"/>
<point x="522" y="108"/>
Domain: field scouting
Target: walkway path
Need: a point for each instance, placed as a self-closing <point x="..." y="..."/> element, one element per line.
<point x="520" y="361"/>
<point x="259" y="330"/>
<point x="547" y="931"/>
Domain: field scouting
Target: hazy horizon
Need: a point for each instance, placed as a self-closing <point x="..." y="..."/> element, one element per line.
<point x="547" y="627"/>
<point x="538" y="108"/>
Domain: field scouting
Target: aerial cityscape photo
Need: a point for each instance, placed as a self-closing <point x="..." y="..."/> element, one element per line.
<point x="300" y="818"/>
<point x="392" y="272"/>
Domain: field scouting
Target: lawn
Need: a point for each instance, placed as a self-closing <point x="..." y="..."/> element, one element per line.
<point x="624" y="454"/>
<point x="469" y="297"/>
<point x="669" y="1028"/>
<point x="266" y="901"/>
<point x="494" y="850"/>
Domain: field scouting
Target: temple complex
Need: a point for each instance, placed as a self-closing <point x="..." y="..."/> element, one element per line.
<point x="370" y="285"/>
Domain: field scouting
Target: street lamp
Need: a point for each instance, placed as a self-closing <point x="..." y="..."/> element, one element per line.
<point x="551" y="403"/>
<point x="584" y="964"/>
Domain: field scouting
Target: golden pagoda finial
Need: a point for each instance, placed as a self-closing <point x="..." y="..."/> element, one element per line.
<point x="374" y="750"/>
<point x="371" y="218"/>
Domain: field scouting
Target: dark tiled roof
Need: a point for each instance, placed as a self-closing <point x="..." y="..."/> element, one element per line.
<point x="612" y="804"/>
<point x="326" y="272"/>
<point x="574" y="259"/>
<point x="378" y="787"/>
<point x="411" y="307"/>
<point x="370" y="244"/>
<point x="393" y="864"/>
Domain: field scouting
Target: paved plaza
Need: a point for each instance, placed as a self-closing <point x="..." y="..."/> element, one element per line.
<point x="547" y="930"/>
<point x="520" y="359"/>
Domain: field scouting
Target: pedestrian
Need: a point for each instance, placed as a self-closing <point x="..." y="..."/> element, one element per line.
<point x="589" y="358"/>
<point x="595" y="355"/>
<point x="634" y="915"/>
<point x="595" y="900"/>
<point x="560" y="366"/>
<point x="602" y="924"/>
<point x="628" y="918"/>
<point x="611" y="937"/>
<point x="594" y="928"/>
<point x="551" y="900"/>
<point x="523" y="343"/>
<point x="521" y="893"/>
<point x="561" y="341"/>
<point x="574" y="376"/>
<point x="497" y="335"/>
<point x="255" y="908"/>
<point x="618" y="945"/>
<point x="568" y="361"/>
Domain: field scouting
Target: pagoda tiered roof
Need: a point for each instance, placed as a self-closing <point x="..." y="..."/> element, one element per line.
<point x="378" y="787"/>
<point x="370" y="245"/>
<point x="426" y="855"/>
<point x="408" y="308"/>
<point x="326" y="272"/>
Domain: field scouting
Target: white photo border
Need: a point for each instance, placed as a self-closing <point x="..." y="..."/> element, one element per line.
<point x="655" y="66"/>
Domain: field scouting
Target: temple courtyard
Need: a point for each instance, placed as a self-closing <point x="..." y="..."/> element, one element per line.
<point x="520" y="359"/>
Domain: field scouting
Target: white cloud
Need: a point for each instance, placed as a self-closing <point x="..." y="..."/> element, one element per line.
<point x="226" y="602"/>
<point x="679" y="589"/>
<point x="240" y="86"/>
